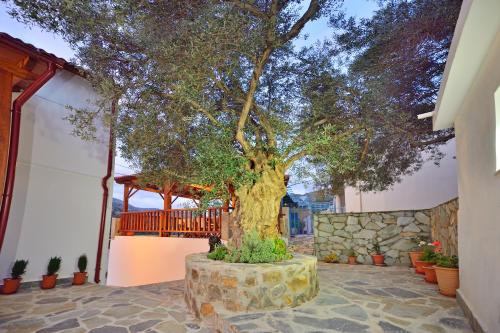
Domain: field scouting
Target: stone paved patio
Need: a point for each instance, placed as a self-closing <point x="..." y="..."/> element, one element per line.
<point x="351" y="299"/>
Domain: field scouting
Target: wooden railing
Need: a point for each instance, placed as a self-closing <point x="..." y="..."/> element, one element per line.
<point x="191" y="222"/>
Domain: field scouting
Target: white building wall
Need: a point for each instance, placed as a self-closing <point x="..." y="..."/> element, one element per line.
<point x="139" y="260"/>
<point x="426" y="188"/>
<point x="479" y="195"/>
<point x="57" y="197"/>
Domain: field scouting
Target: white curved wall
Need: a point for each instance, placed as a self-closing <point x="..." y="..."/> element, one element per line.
<point x="57" y="197"/>
<point x="430" y="186"/>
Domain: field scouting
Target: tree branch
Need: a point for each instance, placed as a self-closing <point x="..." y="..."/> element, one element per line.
<point x="297" y="27"/>
<point x="204" y="111"/>
<point x="249" y="100"/>
<point x="434" y="141"/>
<point x="266" y="125"/>
<point x="249" y="8"/>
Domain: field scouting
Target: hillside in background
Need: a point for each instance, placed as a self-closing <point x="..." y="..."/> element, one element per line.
<point x="118" y="207"/>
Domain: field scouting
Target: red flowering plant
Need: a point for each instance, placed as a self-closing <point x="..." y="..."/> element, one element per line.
<point x="437" y="246"/>
<point x="430" y="251"/>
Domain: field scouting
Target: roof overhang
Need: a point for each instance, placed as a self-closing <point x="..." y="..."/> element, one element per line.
<point x="477" y="27"/>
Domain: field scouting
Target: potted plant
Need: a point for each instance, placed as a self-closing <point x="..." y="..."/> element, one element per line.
<point x="49" y="280"/>
<point x="417" y="252"/>
<point x="377" y="256"/>
<point x="11" y="285"/>
<point x="351" y="257"/>
<point x="80" y="277"/>
<point x="429" y="257"/>
<point x="425" y="259"/>
<point x="447" y="274"/>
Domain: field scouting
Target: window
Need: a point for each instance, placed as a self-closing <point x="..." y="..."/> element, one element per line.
<point x="497" y="120"/>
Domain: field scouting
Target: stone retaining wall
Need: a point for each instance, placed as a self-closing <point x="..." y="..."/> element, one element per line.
<point x="444" y="223"/>
<point x="219" y="287"/>
<point x="394" y="231"/>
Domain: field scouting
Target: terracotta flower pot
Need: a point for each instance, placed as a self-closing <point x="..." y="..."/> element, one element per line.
<point x="419" y="266"/>
<point x="414" y="256"/>
<point x="49" y="281"/>
<point x="351" y="260"/>
<point x="448" y="281"/>
<point x="79" y="278"/>
<point x="430" y="274"/>
<point x="378" y="259"/>
<point x="10" y="286"/>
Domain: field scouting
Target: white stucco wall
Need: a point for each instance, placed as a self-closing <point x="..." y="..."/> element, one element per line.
<point x="479" y="195"/>
<point x="427" y="188"/>
<point x="140" y="260"/>
<point x="57" y="197"/>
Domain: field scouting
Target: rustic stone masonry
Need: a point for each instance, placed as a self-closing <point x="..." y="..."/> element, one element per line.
<point x="444" y="223"/>
<point x="214" y="286"/>
<point x="394" y="231"/>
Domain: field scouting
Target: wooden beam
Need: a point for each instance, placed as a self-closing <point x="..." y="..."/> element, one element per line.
<point x="5" y="105"/>
<point x="126" y="191"/>
<point x="167" y="196"/>
<point x="17" y="71"/>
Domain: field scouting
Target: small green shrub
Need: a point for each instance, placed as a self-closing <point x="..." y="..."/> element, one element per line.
<point x="428" y="254"/>
<point x="254" y="249"/>
<point x="446" y="261"/>
<point x="19" y="268"/>
<point x="376" y="248"/>
<point x="82" y="263"/>
<point x="54" y="265"/>
<point x="351" y="253"/>
<point x="219" y="253"/>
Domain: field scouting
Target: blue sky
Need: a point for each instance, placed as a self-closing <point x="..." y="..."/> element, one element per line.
<point x="316" y="31"/>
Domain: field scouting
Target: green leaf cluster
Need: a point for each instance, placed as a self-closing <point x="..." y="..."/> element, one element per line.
<point x="19" y="268"/>
<point x="82" y="263"/>
<point x="428" y="254"/>
<point x="447" y="261"/>
<point x="54" y="265"/>
<point x="253" y="250"/>
<point x="219" y="253"/>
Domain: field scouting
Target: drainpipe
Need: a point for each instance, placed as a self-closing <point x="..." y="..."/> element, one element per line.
<point x="15" y="128"/>
<point x="104" y="207"/>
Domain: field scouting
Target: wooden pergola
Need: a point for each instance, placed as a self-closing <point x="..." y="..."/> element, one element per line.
<point x="169" y="192"/>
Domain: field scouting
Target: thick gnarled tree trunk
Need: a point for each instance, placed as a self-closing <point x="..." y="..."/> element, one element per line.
<point x="258" y="205"/>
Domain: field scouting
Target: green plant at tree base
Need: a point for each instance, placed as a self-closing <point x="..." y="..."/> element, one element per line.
<point x="428" y="254"/>
<point x="447" y="261"/>
<point x="253" y="250"/>
<point x="54" y="265"/>
<point x="82" y="263"/>
<point x="19" y="268"/>
<point x="219" y="253"/>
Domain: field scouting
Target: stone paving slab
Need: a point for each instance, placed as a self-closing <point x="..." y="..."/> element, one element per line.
<point x="351" y="299"/>
<point x="361" y="299"/>
<point x="99" y="309"/>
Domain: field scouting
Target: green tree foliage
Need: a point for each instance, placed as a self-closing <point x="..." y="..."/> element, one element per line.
<point x="395" y="61"/>
<point x="213" y="91"/>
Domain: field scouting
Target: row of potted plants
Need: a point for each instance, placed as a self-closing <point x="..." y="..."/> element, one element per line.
<point x="49" y="280"/>
<point x="377" y="257"/>
<point x="436" y="267"/>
